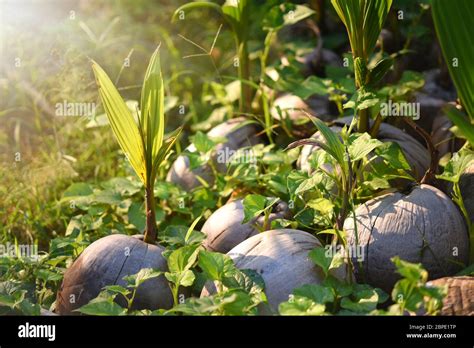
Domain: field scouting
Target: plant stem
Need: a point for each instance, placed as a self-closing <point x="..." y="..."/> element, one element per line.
<point x="150" y="230"/>
<point x="430" y="175"/>
<point x="263" y="66"/>
<point x="244" y="74"/>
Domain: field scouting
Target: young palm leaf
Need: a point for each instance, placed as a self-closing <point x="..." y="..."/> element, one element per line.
<point x="453" y="23"/>
<point x="121" y="120"/>
<point x="364" y="20"/>
<point x="143" y="143"/>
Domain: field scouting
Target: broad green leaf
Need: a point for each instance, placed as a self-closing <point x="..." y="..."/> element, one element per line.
<point x="465" y="125"/>
<point x="453" y="24"/>
<point x="413" y="272"/>
<point x="102" y="305"/>
<point x="406" y="292"/>
<point x="215" y="266"/>
<point x="457" y="165"/>
<point x="339" y="287"/>
<point x="78" y="190"/>
<point x="301" y="306"/>
<point x="117" y="289"/>
<point x="178" y="236"/>
<point x="361" y="145"/>
<point x="182" y="259"/>
<point x="320" y="258"/>
<point x="185" y="278"/>
<point x="142" y="276"/>
<point x="248" y="280"/>
<point x="393" y="154"/>
<point x="121" y="120"/>
<point x="136" y="216"/>
<point x="202" y="142"/>
<point x="366" y="303"/>
<point x="322" y="205"/>
<point x="254" y="205"/>
<point x="317" y="293"/>
<point x="285" y="14"/>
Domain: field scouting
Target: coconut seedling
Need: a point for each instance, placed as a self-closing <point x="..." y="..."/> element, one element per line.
<point x="282" y="259"/>
<point x="420" y="225"/>
<point x="364" y="20"/>
<point x="108" y="260"/>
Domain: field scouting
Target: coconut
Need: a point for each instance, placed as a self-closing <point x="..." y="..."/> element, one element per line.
<point x="460" y="297"/>
<point x="415" y="153"/>
<point x="294" y="108"/>
<point x="466" y="186"/>
<point x="106" y="262"/>
<point x="281" y="258"/>
<point x="237" y="137"/>
<point x="224" y="228"/>
<point x="422" y="226"/>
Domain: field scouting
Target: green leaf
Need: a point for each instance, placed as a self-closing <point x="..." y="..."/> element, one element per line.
<point x="202" y="142"/>
<point x="319" y="257"/>
<point x="185" y="278"/>
<point x="102" y="305"/>
<point x="182" y="259"/>
<point x="117" y="289"/>
<point x="457" y="165"/>
<point x="248" y="280"/>
<point x="285" y="14"/>
<point x="301" y="306"/>
<point x="142" y="276"/>
<point x="393" y="154"/>
<point x="215" y="266"/>
<point x="179" y="236"/>
<point x="361" y="145"/>
<point x="78" y="190"/>
<point x="466" y="126"/>
<point x="152" y="117"/>
<point x="254" y="205"/>
<point x="413" y="272"/>
<point x="121" y="120"/>
<point x="317" y="293"/>
<point x="322" y="205"/>
<point x="453" y="23"/>
<point x="364" y="304"/>
<point x="333" y="145"/>
<point x="136" y="216"/>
